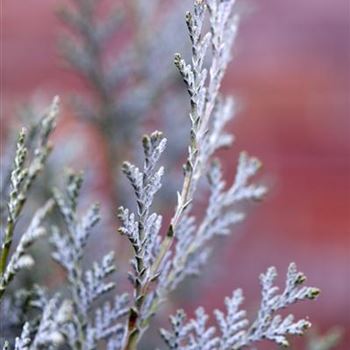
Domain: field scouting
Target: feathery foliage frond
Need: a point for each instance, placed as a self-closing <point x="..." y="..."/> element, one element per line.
<point x="124" y="86"/>
<point x="49" y="332"/>
<point x="88" y="286"/>
<point x="21" y="259"/>
<point x="142" y="228"/>
<point x="234" y="331"/>
<point x="209" y="114"/>
<point x="191" y="250"/>
<point x="82" y="317"/>
<point x="25" y="169"/>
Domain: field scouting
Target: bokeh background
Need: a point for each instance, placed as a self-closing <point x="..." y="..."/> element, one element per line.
<point x="291" y="73"/>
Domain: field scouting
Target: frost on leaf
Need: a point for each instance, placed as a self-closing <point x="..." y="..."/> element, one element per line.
<point x="234" y="331"/>
<point x="89" y="285"/>
<point x="142" y="228"/>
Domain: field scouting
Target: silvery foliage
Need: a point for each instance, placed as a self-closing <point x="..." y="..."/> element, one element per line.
<point x="86" y="52"/>
<point x="191" y="250"/>
<point x="142" y="228"/>
<point x="47" y="332"/>
<point x="21" y="259"/>
<point x="234" y="331"/>
<point x="72" y="321"/>
<point x="15" y="307"/>
<point x="157" y="269"/>
<point x="209" y="114"/>
<point x="83" y="331"/>
<point x="27" y="166"/>
<point x="42" y="327"/>
<point x="125" y="84"/>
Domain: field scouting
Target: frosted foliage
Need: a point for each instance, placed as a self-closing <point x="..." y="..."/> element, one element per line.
<point x="26" y="167"/>
<point x="87" y="286"/>
<point x="233" y="330"/>
<point x="87" y="313"/>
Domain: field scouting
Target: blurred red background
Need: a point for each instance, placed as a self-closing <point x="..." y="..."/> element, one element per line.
<point x="292" y="72"/>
